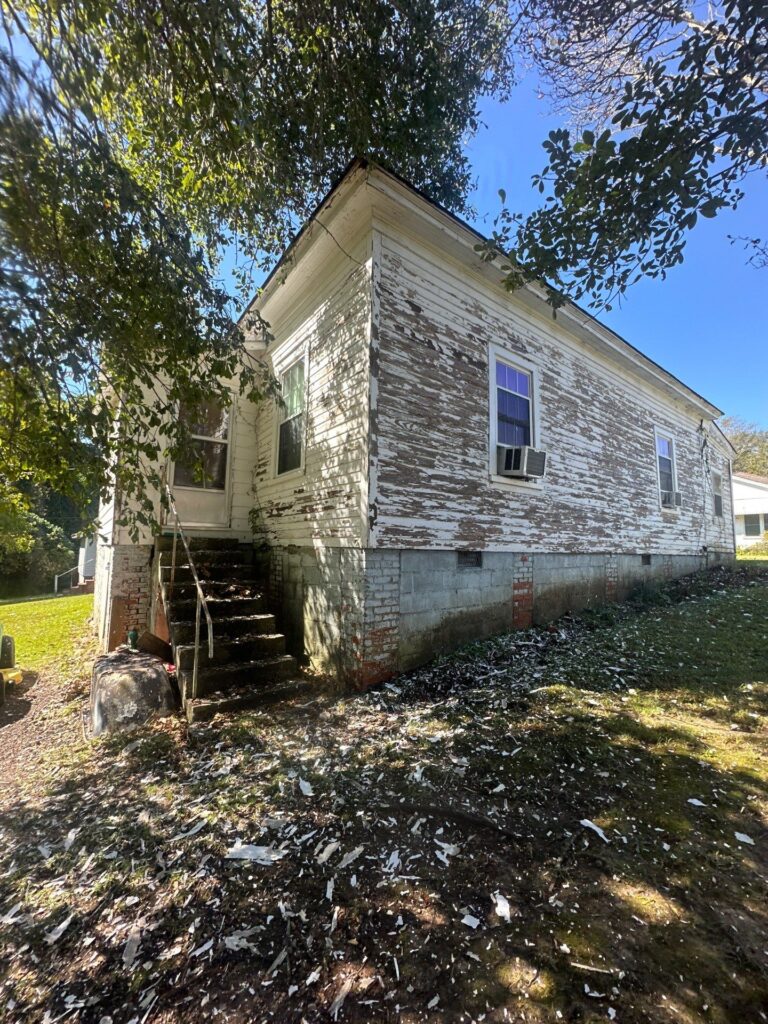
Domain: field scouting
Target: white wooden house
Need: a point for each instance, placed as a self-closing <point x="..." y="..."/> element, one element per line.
<point x="750" y="508"/>
<point x="451" y="460"/>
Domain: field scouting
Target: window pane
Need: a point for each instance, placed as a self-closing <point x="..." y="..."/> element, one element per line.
<point x="292" y="386"/>
<point x="289" y="444"/>
<point x="522" y="383"/>
<point x="752" y="525"/>
<point x="664" y="447"/>
<point x="204" y="467"/>
<point x="501" y="374"/>
<point x="208" y="419"/>
<point x="514" y="419"/>
<point x="666" y="479"/>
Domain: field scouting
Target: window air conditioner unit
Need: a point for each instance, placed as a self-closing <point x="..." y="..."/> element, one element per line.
<point x="521" y="462"/>
<point x="671" y="499"/>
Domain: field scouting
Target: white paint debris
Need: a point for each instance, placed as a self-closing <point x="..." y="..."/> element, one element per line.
<point x="131" y="947"/>
<point x="329" y="889"/>
<point x="198" y="827"/>
<point x="313" y="977"/>
<point x="306" y="788"/>
<point x="595" y="828"/>
<point x="239" y="940"/>
<point x="347" y="859"/>
<point x="330" y="849"/>
<point x="449" y="848"/>
<point x="338" y="1002"/>
<point x="11" y="916"/>
<point x="58" y="931"/>
<point x="501" y="906"/>
<point x="744" y="838"/>
<point x="470" y="921"/>
<point x="202" y="949"/>
<point x="433" y="1002"/>
<point x="257" y="854"/>
<point x="696" y="803"/>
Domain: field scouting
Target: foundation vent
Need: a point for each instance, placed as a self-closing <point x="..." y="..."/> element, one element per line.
<point x="469" y="559"/>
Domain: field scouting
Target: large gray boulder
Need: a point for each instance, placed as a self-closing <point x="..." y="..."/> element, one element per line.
<point x="128" y="688"/>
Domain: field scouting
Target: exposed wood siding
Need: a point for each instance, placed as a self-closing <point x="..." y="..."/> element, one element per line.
<point x="432" y="483"/>
<point x="327" y="501"/>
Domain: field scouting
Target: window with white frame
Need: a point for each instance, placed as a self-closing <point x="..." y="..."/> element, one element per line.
<point x="514" y="398"/>
<point x="665" y="457"/>
<point x="717" y="493"/>
<point x="204" y="464"/>
<point x="290" y="438"/>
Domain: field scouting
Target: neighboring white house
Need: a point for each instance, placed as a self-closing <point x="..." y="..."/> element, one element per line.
<point x="451" y="459"/>
<point x="750" y="508"/>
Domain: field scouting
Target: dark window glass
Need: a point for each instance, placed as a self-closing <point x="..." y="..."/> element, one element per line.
<point x="752" y="525"/>
<point x="469" y="559"/>
<point x="289" y="444"/>
<point x="664" y="452"/>
<point x="207" y="420"/>
<point x="205" y="466"/>
<point x="513" y="406"/>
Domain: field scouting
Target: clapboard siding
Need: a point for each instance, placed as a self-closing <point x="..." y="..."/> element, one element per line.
<point x="431" y="485"/>
<point x="326" y="502"/>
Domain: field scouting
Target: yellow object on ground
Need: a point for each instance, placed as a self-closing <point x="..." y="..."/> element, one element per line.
<point x="10" y="675"/>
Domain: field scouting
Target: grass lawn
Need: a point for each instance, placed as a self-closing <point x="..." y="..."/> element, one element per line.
<point x="46" y="630"/>
<point x="564" y="824"/>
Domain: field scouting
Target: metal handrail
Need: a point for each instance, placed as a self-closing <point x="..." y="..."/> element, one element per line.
<point x="201" y="603"/>
<point x="58" y="577"/>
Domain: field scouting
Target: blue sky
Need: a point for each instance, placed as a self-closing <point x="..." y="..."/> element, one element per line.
<point x="707" y="322"/>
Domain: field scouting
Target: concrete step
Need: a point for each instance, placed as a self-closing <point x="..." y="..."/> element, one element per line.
<point x="225" y="628"/>
<point x="208" y="556"/>
<point x="223" y="572"/>
<point x="185" y="590"/>
<point x="246" y="698"/>
<point x="218" y="607"/>
<point x="165" y="543"/>
<point x="266" y="645"/>
<point x="222" y="678"/>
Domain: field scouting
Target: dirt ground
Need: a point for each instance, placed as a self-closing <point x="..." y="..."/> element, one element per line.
<point x="565" y="824"/>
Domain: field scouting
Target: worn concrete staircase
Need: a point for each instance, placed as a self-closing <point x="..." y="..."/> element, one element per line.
<point x="249" y="667"/>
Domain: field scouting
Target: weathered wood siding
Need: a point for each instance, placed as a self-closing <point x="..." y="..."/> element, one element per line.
<point x="430" y="480"/>
<point x="326" y="502"/>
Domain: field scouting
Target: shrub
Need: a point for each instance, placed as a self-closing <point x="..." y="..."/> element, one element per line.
<point x="32" y="551"/>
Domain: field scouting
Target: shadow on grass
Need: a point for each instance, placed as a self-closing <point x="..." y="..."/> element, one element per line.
<point x="452" y="797"/>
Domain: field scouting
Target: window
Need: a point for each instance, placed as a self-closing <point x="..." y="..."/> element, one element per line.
<point x="665" y="457"/>
<point x="752" y="525"/>
<point x="205" y="464"/>
<point x="290" y="440"/>
<point x="514" y="425"/>
<point x="717" y="491"/>
<point x="645" y="559"/>
<point x="469" y="559"/>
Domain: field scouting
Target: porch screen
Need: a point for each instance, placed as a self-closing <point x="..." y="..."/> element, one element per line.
<point x="290" y="440"/>
<point x="204" y="465"/>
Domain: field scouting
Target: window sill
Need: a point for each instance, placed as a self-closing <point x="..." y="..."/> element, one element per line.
<point x="290" y="474"/>
<point x="514" y="483"/>
<point x="201" y="489"/>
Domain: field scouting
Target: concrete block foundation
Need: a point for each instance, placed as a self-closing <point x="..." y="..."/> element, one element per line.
<point x="362" y="616"/>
